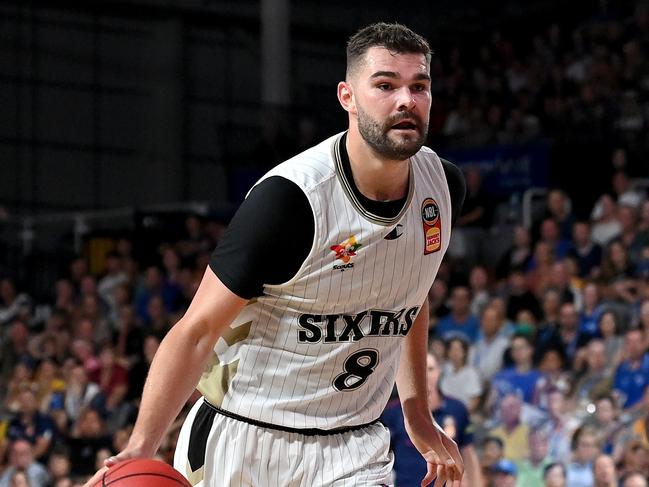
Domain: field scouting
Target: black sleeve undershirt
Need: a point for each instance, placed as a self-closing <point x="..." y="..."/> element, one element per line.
<point x="272" y="232"/>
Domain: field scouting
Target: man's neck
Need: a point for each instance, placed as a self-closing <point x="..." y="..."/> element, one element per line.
<point x="376" y="178"/>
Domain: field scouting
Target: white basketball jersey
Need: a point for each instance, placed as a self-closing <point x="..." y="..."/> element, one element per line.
<point x="322" y="350"/>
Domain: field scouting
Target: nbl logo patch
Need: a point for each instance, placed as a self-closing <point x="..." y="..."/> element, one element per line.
<point x="432" y="224"/>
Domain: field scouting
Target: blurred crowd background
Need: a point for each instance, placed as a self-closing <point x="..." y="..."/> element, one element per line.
<point x="539" y="315"/>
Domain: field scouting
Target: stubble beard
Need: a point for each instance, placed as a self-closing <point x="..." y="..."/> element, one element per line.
<point x="377" y="136"/>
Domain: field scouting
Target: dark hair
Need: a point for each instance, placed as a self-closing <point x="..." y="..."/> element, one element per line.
<point x="463" y="343"/>
<point x="493" y="439"/>
<point x="395" y="37"/>
<point x="550" y="466"/>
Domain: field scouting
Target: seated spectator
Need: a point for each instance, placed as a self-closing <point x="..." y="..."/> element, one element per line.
<point x="12" y="350"/>
<point x="609" y="330"/>
<point x="554" y="376"/>
<point x="87" y="438"/>
<point x="519" y="297"/>
<point x="597" y="377"/>
<point x="565" y="337"/>
<point x="518" y="256"/>
<point x="159" y="322"/>
<point x="606" y="226"/>
<point x="114" y="277"/>
<point x="530" y="469"/>
<point x="587" y="253"/>
<point x="512" y="431"/>
<point x="487" y="353"/>
<point x="591" y="310"/>
<point x="633" y="239"/>
<point x="559" y="426"/>
<point x="579" y="472"/>
<point x="492" y="453"/>
<point x="604" y="472"/>
<point x="504" y="473"/>
<point x="21" y="459"/>
<point x="522" y="378"/>
<point x="554" y="475"/>
<point x="58" y="466"/>
<point x="632" y="375"/>
<point x="79" y="393"/>
<point x="458" y="378"/>
<point x="450" y="414"/>
<point x="32" y="425"/>
<point x="460" y="321"/>
<point x="618" y="272"/>
<point x="13" y="305"/>
<point x="551" y="235"/>
<point x="540" y="269"/>
<point x="479" y="285"/>
<point x="437" y="301"/>
<point x="605" y="424"/>
<point x="155" y="284"/>
<point x="112" y="379"/>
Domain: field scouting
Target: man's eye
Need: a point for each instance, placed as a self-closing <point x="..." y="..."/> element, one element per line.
<point x="419" y="87"/>
<point x="384" y="86"/>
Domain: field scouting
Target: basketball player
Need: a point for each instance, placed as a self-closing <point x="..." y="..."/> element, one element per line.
<point x="314" y="302"/>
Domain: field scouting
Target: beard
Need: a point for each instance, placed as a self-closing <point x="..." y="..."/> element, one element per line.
<point x="377" y="135"/>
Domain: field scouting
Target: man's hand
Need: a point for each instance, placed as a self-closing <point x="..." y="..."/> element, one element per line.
<point x="443" y="459"/>
<point x="126" y="454"/>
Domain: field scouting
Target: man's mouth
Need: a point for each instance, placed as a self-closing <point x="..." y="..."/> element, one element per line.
<point x="405" y="125"/>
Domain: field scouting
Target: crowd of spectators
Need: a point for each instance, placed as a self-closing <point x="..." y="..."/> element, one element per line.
<point x="539" y="362"/>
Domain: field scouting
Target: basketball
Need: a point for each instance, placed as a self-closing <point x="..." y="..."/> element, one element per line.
<point x="142" y="473"/>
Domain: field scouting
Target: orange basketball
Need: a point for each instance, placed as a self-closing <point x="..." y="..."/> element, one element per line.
<point x="141" y="472"/>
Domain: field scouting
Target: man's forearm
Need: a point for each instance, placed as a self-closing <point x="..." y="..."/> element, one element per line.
<point x="411" y="376"/>
<point x="173" y="376"/>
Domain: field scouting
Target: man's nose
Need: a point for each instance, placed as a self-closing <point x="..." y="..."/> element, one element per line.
<point x="406" y="99"/>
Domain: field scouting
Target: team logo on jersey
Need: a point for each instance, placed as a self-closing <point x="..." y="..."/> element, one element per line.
<point x="345" y="251"/>
<point x="432" y="224"/>
<point x="395" y="233"/>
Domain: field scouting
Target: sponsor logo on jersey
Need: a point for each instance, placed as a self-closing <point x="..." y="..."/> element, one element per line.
<point x="351" y="328"/>
<point x="345" y="251"/>
<point x="395" y="233"/>
<point x="432" y="224"/>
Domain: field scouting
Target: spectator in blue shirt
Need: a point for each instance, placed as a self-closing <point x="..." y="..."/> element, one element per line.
<point x="450" y="414"/>
<point x="632" y="375"/>
<point x="522" y="378"/>
<point x="460" y="321"/>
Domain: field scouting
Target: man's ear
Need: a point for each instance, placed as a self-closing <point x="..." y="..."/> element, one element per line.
<point x="346" y="97"/>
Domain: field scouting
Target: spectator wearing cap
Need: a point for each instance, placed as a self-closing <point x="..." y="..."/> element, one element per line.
<point x="604" y="471"/>
<point x="554" y="475"/>
<point x="585" y="449"/>
<point x="460" y="379"/>
<point x="450" y="414"/>
<point x="632" y="375"/>
<point x="530" y="469"/>
<point x="512" y="431"/>
<point x="460" y="321"/>
<point x="504" y="473"/>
